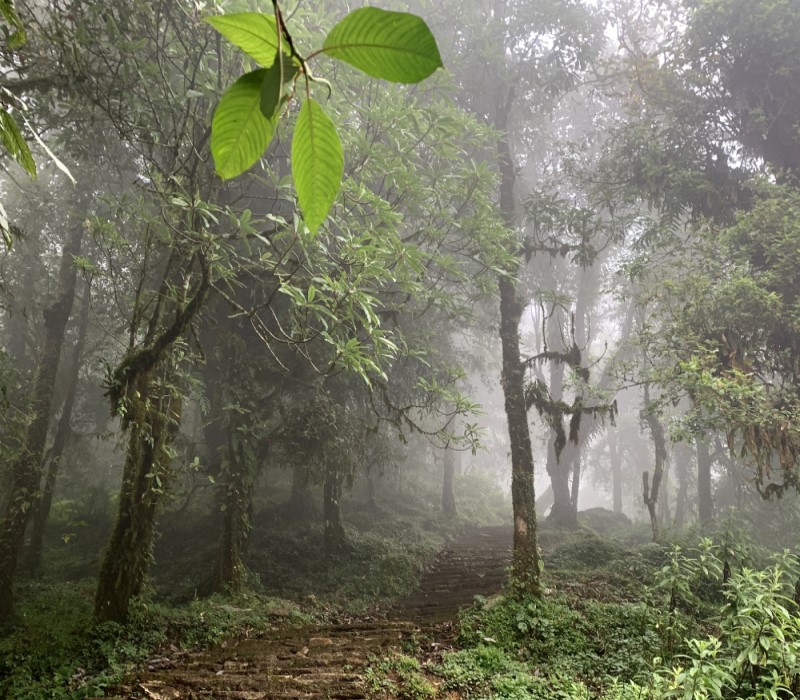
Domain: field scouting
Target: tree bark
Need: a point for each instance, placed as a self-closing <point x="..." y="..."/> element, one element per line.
<point x="525" y="562"/>
<point x="144" y="386"/>
<point x="682" y="475"/>
<point x="558" y="466"/>
<point x="332" y="511"/>
<point x="239" y="479"/>
<point x="448" y="494"/>
<point x="576" y="482"/>
<point x="25" y="470"/>
<point x="616" y="469"/>
<point x="705" y="504"/>
<point x="154" y="415"/>
<point x="42" y="512"/>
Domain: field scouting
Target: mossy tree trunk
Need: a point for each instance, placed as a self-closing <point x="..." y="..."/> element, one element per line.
<point x="238" y="475"/>
<point x="144" y="391"/>
<point x="42" y="511"/>
<point x="25" y="470"/>
<point x="525" y="562"/>
<point x="154" y="413"/>
<point x="559" y="466"/>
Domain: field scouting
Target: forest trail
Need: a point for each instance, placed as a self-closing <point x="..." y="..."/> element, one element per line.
<point x="327" y="662"/>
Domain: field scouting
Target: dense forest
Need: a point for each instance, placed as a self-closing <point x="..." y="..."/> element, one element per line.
<point x="428" y="350"/>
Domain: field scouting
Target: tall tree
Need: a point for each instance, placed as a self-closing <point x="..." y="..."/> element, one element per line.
<point x="26" y="467"/>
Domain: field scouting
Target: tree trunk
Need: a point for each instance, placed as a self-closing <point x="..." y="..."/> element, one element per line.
<point x="650" y="493"/>
<point x="25" y="469"/>
<point x="525" y="562"/>
<point x="576" y="482"/>
<point x="18" y="341"/>
<point x="448" y="494"/>
<point x="682" y="475"/>
<point x="562" y="513"/>
<point x="663" y="502"/>
<point x="705" y="505"/>
<point x="239" y="479"/>
<point x="42" y="512"/>
<point x="144" y="389"/>
<point x="332" y="511"/>
<point x="154" y="415"/>
<point x="559" y="466"/>
<point x="616" y="469"/>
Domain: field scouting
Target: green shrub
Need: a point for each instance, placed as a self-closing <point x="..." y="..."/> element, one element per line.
<point x="400" y="676"/>
<point x="584" y="551"/>
<point x="588" y="642"/>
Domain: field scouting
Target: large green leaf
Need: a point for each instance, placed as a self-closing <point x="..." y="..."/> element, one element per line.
<point x="253" y="32"/>
<point x="240" y="133"/>
<point x="395" y="46"/>
<point x="15" y="144"/>
<point x="317" y="163"/>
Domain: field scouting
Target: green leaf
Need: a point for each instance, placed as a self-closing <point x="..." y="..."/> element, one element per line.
<point x="317" y="163"/>
<point x="240" y="133"/>
<point x="16" y="37"/>
<point x="395" y="46"/>
<point x="253" y="32"/>
<point x="277" y="75"/>
<point x="15" y="144"/>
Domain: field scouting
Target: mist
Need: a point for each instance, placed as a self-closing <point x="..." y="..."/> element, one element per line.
<point x="426" y="350"/>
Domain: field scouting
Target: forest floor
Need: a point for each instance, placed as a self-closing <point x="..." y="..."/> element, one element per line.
<point x="333" y="661"/>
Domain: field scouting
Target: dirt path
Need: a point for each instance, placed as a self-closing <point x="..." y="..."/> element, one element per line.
<point x="327" y="662"/>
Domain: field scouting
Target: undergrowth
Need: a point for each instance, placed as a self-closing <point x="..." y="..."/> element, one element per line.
<point x="56" y="652"/>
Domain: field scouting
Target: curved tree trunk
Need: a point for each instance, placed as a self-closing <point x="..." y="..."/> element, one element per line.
<point x="650" y="492"/>
<point x="154" y="417"/>
<point x="25" y="470"/>
<point x="42" y="512"/>
<point x="145" y="386"/>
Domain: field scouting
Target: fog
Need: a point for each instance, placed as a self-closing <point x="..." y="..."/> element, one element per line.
<point x="551" y="293"/>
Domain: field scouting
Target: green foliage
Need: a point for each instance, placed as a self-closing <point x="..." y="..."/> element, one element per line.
<point x="756" y="653"/>
<point x="56" y="653"/>
<point x="584" y="551"/>
<point x="317" y="163"/>
<point x="400" y="677"/>
<point x="589" y="641"/>
<point x="240" y="132"/>
<point x="253" y="32"/>
<point x="395" y="46"/>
